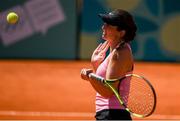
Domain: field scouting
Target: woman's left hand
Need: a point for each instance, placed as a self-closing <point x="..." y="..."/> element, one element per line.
<point x="99" y="54"/>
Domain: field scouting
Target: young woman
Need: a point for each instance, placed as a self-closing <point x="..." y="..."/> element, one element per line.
<point x="118" y="30"/>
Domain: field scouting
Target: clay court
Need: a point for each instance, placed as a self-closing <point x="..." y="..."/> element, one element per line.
<point x="52" y="89"/>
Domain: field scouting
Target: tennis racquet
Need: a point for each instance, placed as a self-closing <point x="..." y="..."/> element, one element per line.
<point x="135" y="93"/>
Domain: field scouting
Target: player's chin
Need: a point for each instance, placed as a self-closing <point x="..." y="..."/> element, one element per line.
<point x="103" y="37"/>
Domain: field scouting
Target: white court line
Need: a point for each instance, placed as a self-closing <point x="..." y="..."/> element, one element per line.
<point x="73" y="114"/>
<point x="51" y="114"/>
<point x="160" y="116"/>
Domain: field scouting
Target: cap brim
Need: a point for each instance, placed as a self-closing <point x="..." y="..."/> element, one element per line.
<point x="107" y="19"/>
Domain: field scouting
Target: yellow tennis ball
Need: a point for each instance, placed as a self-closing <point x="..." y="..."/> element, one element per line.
<point x="12" y="18"/>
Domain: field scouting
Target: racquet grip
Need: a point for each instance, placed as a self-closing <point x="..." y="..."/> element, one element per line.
<point x="96" y="77"/>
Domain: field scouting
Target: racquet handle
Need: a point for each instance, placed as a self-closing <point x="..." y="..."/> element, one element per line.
<point x="96" y="77"/>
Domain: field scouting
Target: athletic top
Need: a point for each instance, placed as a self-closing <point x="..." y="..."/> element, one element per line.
<point x="112" y="102"/>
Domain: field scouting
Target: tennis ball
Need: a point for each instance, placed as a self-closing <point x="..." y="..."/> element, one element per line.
<point x="12" y="18"/>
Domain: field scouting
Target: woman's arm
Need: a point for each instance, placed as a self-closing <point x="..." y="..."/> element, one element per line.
<point x="120" y="63"/>
<point x="98" y="86"/>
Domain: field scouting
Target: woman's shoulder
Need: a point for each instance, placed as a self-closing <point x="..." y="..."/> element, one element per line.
<point x="123" y="56"/>
<point x="122" y="52"/>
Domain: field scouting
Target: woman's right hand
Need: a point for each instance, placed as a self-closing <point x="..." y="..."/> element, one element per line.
<point x="99" y="54"/>
<point x="85" y="73"/>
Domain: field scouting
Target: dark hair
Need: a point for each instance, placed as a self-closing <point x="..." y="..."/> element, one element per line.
<point x="123" y="20"/>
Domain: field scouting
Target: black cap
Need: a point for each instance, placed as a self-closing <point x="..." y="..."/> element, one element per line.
<point x="117" y="17"/>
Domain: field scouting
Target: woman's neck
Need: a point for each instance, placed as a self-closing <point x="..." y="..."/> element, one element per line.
<point x="114" y="44"/>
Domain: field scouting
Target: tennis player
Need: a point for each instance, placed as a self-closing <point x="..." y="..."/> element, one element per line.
<point x="119" y="30"/>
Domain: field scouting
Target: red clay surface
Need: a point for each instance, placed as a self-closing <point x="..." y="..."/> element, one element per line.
<point x="54" y="90"/>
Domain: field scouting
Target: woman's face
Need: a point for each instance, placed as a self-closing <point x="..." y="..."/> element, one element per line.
<point x="110" y="32"/>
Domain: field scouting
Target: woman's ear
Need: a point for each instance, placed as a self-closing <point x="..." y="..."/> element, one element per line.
<point x="122" y="33"/>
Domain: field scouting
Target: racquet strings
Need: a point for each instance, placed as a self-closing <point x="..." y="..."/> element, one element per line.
<point x="137" y="95"/>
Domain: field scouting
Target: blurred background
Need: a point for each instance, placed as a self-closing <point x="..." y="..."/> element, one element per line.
<point x="71" y="29"/>
<point x="54" y="37"/>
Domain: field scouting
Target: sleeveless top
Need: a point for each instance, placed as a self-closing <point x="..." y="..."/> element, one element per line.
<point x="112" y="102"/>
